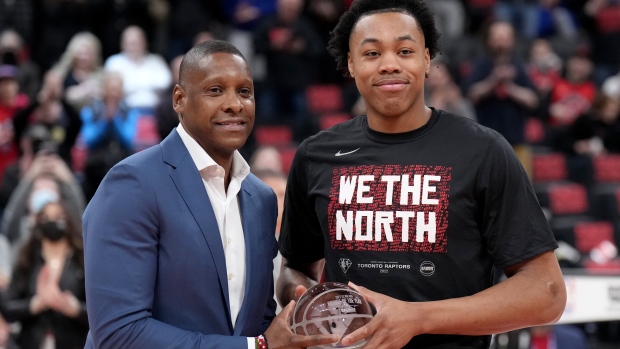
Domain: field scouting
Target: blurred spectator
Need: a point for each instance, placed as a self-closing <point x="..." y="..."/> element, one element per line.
<point x="449" y="18"/>
<point x="201" y="37"/>
<point x="46" y="295"/>
<point x="186" y="19"/>
<point x="611" y="86"/>
<point x="11" y="101"/>
<point x="244" y="16"/>
<point x="266" y="158"/>
<point x="544" y="67"/>
<point x="574" y="94"/>
<point x="14" y="52"/>
<point x="34" y="139"/>
<point x="554" y="20"/>
<point x="291" y="46"/>
<point x="144" y="74"/>
<point x="605" y="35"/>
<point x="80" y="69"/>
<point x="324" y="15"/>
<point x="441" y="92"/>
<point x="113" y="17"/>
<point x="55" y="22"/>
<point x="167" y="118"/>
<point x="521" y="14"/>
<point x="51" y="110"/>
<point x="109" y="128"/>
<point x="276" y="180"/>
<point x="501" y="91"/>
<point x="17" y="15"/>
<point x="597" y="132"/>
<point x="47" y="180"/>
<point x="478" y="12"/>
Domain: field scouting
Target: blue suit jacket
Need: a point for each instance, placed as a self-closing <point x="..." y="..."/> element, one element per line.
<point x="155" y="268"/>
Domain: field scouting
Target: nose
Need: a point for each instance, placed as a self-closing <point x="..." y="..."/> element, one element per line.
<point x="232" y="103"/>
<point x="389" y="64"/>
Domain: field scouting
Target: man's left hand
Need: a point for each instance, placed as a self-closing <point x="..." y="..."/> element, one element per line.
<point x="391" y="328"/>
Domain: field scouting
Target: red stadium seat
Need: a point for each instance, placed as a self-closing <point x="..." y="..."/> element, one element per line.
<point x="273" y="134"/>
<point x="607" y="168"/>
<point x="565" y="199"/>
<point x="324" y="98"/>
<point x="590" y="234"/>
<point x="549" y="167"/>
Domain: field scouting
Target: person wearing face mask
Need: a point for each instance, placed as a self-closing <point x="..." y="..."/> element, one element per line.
<point x="46" y="294"/>
<point x="48" y="179"/>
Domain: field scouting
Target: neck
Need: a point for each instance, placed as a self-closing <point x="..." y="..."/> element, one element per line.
<point x="408" y="121"/>
<point x="54" y="249"/>
<point x="226" y="163"/>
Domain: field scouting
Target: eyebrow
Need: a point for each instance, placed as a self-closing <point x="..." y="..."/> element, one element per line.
<point x="400" y="38"/>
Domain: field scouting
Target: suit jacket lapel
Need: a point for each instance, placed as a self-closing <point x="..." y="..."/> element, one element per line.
<point x="189" y="184"/>
<point x="248" y="211"/>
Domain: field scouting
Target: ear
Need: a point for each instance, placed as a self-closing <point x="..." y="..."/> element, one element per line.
<point x="178" y="99"/>
<point x="427" y="61"/>
<point x="350" y="65"/>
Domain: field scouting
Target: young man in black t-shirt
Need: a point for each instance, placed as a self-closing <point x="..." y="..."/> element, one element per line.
<point x="415" y="204"/>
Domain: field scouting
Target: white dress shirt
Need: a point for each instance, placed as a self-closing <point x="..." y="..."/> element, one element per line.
<point x="226" y="208"/>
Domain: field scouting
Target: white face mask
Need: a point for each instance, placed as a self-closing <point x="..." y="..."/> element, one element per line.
<point x="42" y="197"/>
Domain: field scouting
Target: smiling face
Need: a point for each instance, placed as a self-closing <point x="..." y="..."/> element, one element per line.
<point x="389" y="60"/>
<point x="216" y="102"/>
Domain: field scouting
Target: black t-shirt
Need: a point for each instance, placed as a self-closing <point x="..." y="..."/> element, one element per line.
<point x="419" y="216"/>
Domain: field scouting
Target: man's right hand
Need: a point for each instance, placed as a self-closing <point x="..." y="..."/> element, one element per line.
<point x="279" y="334"/>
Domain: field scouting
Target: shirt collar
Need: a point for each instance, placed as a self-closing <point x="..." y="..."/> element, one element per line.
<point x="202" y="160"/>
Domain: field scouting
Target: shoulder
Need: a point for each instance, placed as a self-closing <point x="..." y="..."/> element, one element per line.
<point x="143" y="165"/>
<point x="464" y="128"/>
<point x="255" y="185"/>
<point x="261" y="192"/>
<point x="344" y="130"/>
<point x="115" y="60"/>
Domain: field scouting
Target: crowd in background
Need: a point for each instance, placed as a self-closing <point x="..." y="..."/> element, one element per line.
<point x="86" y="83"/>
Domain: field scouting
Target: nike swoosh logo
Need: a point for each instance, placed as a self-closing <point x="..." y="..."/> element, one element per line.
<point x="347" y="153"/>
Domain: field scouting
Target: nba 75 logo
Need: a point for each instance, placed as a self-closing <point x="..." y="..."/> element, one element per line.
<point x="344" y="264"/>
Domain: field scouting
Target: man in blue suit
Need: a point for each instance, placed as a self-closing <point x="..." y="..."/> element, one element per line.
<point x="179" y="239"/>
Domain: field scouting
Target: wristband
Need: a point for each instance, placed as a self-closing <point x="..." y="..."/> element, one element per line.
<point x="261" y="342"/>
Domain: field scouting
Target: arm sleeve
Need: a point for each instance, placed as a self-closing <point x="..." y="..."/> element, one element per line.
<point x="15" y="210"/>
<point x="270" y="310"/>
<point x="121" y="250"/>
<point x="301" y="237"/>
<point x="513" y="225"/>
<point x="93" y="130"/>
<point x="16" y="305"/>
<point x="125" y="128"/>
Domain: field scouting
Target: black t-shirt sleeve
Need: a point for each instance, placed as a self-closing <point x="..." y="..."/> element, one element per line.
<point x="301" y="238"/>
<point x="513" y="225"/>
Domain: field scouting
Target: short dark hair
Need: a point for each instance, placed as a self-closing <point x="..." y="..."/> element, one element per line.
<point x="198" y="52"/>
<point x="339" y="42"/>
